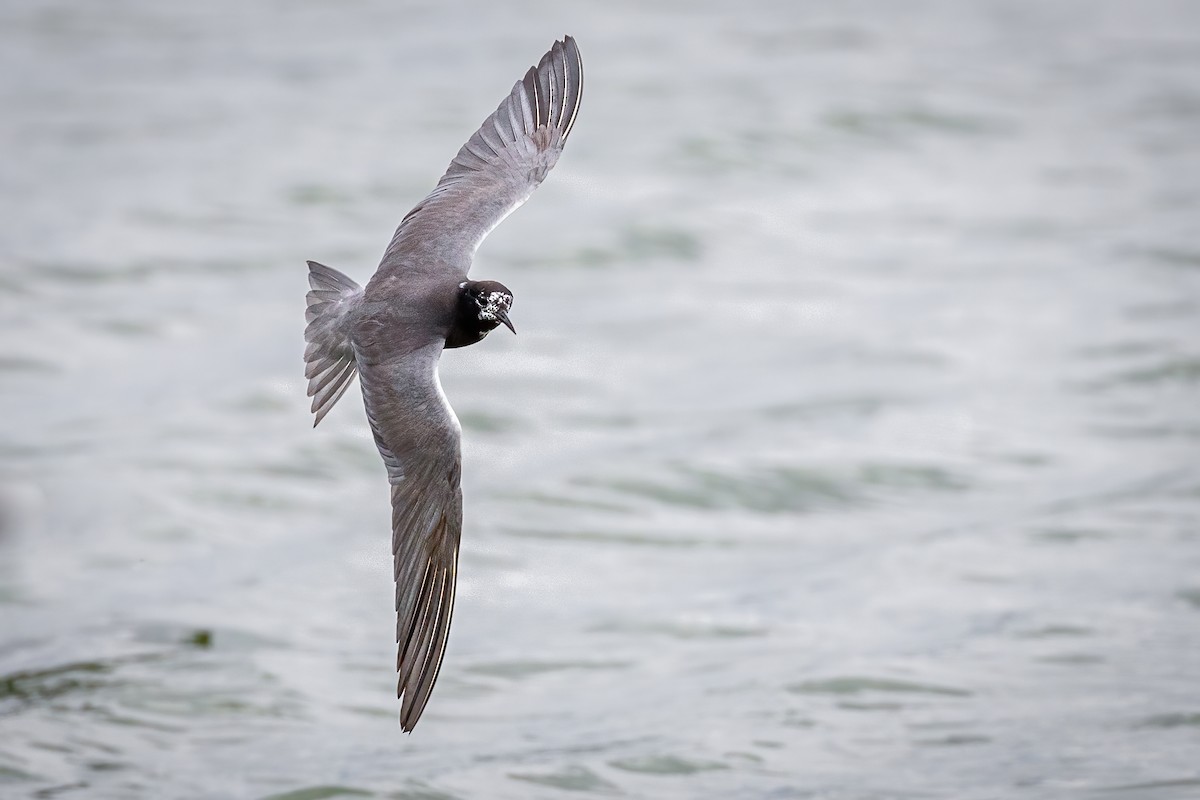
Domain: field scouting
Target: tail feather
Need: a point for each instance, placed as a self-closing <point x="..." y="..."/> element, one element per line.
<point x="329" y="357"/>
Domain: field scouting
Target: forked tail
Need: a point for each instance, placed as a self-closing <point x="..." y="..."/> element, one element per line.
<point x="329" y="357"/>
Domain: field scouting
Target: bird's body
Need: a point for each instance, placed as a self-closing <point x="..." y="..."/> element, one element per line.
<point x="392" y="332"/>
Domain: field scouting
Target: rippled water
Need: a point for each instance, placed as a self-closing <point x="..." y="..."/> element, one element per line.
<point x="849" y="448"/>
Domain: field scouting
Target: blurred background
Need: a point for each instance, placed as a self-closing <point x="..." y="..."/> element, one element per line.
<point x="848" y="449"/>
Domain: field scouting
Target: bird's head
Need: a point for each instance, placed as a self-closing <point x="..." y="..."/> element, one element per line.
<point x="490" y="300"/>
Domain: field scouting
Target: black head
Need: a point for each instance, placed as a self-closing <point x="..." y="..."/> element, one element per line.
<point x="489" y="301"/>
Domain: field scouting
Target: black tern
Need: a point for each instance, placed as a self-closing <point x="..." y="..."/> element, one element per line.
<point x="392" y="333"/>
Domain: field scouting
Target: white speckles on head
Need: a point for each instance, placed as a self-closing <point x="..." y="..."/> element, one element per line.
<point x="494" y="303"/>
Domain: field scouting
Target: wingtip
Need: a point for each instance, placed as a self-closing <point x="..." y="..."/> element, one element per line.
<point x="555" y="85"/>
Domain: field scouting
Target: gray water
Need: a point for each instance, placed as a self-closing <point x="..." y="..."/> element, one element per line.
<point x="849" y="447"/>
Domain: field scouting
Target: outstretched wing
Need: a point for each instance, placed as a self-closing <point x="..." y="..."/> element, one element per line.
<point x="419" y="438"/>
<point x="497" y="169"/>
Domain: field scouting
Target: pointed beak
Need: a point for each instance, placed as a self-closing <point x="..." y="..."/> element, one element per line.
<point x="503" y="316"/>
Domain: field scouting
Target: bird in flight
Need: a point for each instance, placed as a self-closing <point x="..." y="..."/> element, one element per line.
<point x="392" y="332"/>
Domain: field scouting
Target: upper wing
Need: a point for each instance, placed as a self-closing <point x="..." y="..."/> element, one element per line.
<point x="419" y="438"/>
<point x="497" y="169"/>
